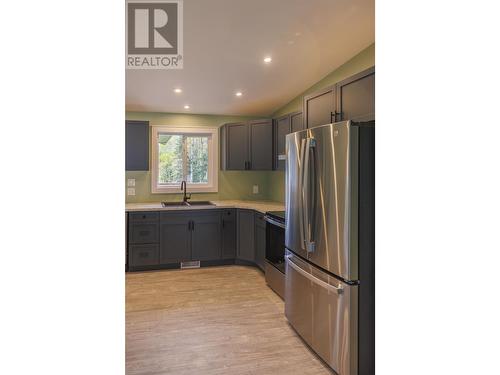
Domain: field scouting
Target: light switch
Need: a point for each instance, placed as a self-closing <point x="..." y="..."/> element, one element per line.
<point x="256" y="189"/>
<point x="131" y="182"/>
<point x="131" y="191"/>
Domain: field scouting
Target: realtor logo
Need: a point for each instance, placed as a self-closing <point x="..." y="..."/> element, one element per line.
<point x="154" y="34"/>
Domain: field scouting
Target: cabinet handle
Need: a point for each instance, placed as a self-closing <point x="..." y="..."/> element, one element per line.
<point x="333" y="116"/>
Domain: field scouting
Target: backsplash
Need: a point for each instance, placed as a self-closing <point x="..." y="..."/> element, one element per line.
<point x="232" y="185"/>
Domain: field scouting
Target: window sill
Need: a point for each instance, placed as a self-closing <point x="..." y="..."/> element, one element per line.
<point x="189" y="189"/>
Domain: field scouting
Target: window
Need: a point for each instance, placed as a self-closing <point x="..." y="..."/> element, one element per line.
<point x="184" y="154"/>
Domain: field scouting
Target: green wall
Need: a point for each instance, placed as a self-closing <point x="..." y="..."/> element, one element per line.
<point x="363" y="60"/>
<point x="232" y="184"/>
<point x="238" y="184"/>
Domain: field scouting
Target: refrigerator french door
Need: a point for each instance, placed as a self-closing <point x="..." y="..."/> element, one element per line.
<point x="329" y="287"/>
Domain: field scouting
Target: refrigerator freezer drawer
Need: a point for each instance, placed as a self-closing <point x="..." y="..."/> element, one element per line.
<point x="323" y="311"/>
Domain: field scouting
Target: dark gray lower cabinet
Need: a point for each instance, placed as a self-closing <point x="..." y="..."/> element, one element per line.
<point x="175" y="237"/>
<point x="206" y="236"/>
<point x="260" y="240"/>
<point x="246" y="235"/>
<point x="166" y="238"/>
<point x="143" y="238"/>
<point x="229" y="230"/>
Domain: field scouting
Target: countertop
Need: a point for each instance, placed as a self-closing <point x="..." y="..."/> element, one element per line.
<point x="261" y="206"/>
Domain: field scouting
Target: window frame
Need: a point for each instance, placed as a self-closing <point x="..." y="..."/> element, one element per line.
<point x="213" y="159"/>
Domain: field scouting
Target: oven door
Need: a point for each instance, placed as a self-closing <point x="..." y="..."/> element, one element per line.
<point x="323" y="311"/>
<point x="275" y="243"/>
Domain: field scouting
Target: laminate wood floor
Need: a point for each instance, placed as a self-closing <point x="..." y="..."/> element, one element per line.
<point x="207" y="321"/>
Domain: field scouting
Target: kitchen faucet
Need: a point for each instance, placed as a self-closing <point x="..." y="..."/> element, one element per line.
<point x="183" y="188"/>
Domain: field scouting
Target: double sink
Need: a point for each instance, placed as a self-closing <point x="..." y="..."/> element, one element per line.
<point x="187" y="204"/>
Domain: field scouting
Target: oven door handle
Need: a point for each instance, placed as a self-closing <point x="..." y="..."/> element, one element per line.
<point x="274" y="222"/>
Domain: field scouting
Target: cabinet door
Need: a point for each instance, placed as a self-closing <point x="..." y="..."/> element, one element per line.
<point x="246" y="236"/>
<point x="136" y="145"/>
<point x="260" y="240"/>
<point x="261" y="145"/>
<point x="356" y="97"/>
<point x="281" y="129"/>
<point x="175" y="238"/>
<point x="318" y="107"/>
<point x="296" y="123"/>
<point x="228" y="221"/>
<point x="236" y="146"/>
<point x="206" y="236"/>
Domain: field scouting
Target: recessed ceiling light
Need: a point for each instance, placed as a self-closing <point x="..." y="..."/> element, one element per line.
<point x="186" y="107"/>
<point x="267" y="60"/>
<point x="239" y="93"/>
<point x="177" y="91"/>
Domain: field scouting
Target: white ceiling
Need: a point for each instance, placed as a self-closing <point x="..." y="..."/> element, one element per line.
<point x="225" y="42"/>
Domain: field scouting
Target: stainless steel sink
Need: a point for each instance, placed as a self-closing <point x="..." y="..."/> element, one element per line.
<point x="200" y="203"/>
<point x="187" y="204"/>
<point x="174" y="204"/>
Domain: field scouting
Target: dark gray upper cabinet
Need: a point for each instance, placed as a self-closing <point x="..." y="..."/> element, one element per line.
<point x="246" y="235"/>
<point x="356" y="97"/>
<point x="318" y="107"/>
<point x="261" y="145"/>
<point x="229" y="230"/>
<point x="350" y="99"/>
<point x="247" y="145"/>
<point x="175" y="237"/>
<point x="235" y="141"/>
<point x="136" y="145"/>
<point x="281" y="129"/>
<point x="296" y="122"/>
<point x="206" y="236"/>
<point x="284" y="125"/>
<point x="260" y="240"/>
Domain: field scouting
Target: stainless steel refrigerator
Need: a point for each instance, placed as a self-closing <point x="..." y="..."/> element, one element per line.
<point x="329" y="240"/>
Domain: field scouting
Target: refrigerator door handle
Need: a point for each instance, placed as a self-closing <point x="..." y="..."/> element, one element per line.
<point x="312" y="196"/>
<point x="301" y="194"/>
<point x="336" y="289"/>
<point x="309" y="243"/>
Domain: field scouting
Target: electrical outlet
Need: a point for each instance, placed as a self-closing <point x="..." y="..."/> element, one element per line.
<point x="131" y="182"/>
<point x="131" y="191"/>
<point x="256" y="189"/>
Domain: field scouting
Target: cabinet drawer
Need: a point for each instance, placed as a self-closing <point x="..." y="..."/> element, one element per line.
<point x="143" y="217"/>
<point x="259" y="220"/>
<point x="144" y="255"/>
<point x="143" y="233"/>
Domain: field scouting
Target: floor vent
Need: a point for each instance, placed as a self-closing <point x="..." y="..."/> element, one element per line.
<point x="190" y="264"/>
